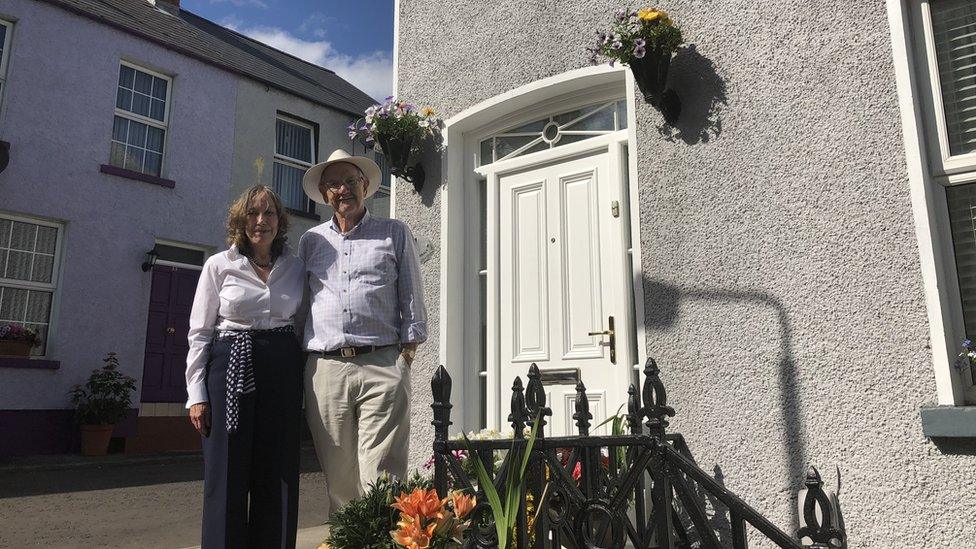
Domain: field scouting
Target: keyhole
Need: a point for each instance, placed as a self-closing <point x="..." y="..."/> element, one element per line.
<point x="553" y="240"/>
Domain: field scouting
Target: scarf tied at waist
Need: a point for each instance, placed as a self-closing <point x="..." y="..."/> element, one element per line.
<point x="240" y="369"/>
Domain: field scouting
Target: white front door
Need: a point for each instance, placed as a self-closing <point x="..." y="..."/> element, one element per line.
<point x="561" y="277"/>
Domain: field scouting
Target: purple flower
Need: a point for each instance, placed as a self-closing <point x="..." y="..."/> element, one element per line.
<point x="967" y="343"/>
<point x="617" y="44"/>
<point x="639" y="51"/>
<point x="621" y="15"/>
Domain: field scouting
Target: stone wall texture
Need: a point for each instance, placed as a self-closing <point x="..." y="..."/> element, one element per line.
<point x="781" y="275"/>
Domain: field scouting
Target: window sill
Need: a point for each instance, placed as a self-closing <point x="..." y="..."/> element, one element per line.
<point x="129" y="174"/>
<point x="306" y="215"/>
<point x="30" y="363"/>
<point x="949" y="421"/>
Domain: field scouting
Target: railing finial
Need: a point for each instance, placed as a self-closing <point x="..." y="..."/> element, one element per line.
<point x="535" y="397"/>
<point x="655" y="400"/>
<point x="440" y="386"/>
<point x="582" y="415"/>
<point x="518" y="415"/>
<point x="633" y="410"/>
<point x="821" y="532"/>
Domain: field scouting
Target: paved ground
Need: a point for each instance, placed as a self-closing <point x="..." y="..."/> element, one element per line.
<point x="122" y="502"/>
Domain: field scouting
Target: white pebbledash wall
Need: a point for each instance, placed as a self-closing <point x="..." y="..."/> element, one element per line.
<point x="781" y="274"/>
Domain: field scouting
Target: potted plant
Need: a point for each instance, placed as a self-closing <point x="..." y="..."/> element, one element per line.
<point x="399" y="129"/>
<point x="644" y="40"/>
<point x="15" y="340"/>
<point x="366" y="523"/>
<point x="100" y="403"/>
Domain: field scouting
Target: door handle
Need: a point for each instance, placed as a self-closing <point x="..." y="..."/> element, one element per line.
<point x="171" y="330"/>
<point x="613" y="339"/>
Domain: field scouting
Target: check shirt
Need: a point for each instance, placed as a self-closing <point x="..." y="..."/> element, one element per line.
<point x="365" y="285"/>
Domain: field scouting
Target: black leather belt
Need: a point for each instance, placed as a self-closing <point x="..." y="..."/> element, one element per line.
<point x="349" y="352"/>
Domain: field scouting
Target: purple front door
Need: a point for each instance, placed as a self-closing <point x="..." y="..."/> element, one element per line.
<point x="170" y="300"/>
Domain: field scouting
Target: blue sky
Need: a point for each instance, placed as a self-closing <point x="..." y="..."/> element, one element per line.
<point x="354" y="38"/>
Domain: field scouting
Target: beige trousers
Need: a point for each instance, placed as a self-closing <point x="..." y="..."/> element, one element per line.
<point x="358" y="410"/>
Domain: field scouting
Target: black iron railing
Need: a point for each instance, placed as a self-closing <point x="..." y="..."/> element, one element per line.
<point x="642" y="487"/>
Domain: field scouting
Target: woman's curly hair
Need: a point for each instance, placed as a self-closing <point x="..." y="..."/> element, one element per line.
<point x="237" y="221"/>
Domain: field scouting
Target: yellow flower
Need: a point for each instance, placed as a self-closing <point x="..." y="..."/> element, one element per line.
<point x="650" y="14"/>
<point x="427" y="111"/>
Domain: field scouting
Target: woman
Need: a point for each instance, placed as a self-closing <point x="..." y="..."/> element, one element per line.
<point x="243" y="378"/>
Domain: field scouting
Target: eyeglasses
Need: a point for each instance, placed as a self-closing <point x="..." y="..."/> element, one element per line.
<point x="351" y="183"/>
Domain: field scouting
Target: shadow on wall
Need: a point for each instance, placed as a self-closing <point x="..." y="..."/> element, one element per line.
<point x="432" y="163"/>
<point x="664" y="301"/>
<point x="702" y="93"/>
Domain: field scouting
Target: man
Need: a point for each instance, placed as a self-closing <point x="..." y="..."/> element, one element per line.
<point x="366" y="318"/>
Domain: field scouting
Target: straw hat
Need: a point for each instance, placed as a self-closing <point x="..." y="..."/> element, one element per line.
<point x="314" y="174"/>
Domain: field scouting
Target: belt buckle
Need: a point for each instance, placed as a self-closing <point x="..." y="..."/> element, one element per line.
<point x="347" y="352"/>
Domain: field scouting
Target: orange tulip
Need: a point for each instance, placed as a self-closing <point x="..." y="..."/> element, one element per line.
<point x="419" y="503"/>
<point x="462" y="504"/>
<point x="411" y="534"/>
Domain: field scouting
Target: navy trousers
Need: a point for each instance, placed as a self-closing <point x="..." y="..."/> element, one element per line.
<point x="250" y="486"/>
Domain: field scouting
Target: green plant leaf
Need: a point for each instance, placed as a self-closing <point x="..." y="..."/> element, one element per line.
<point x="494" y="502"/>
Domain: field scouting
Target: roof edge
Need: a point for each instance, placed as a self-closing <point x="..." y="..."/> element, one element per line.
<point x="192" y="55"/>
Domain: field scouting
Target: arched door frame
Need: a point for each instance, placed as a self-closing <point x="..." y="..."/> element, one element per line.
<point x="459" y="289"/>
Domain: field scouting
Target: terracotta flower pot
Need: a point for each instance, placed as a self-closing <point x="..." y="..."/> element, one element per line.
<point x="11" y="347"/>
<point x="95" y="438"/>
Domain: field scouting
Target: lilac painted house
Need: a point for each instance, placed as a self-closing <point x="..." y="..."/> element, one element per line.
<point x="129" y="126"/>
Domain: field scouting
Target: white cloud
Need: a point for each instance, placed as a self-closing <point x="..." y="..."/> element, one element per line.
<point x="372" y="72"/>
<point x="316" y="23"/>
<point x="242" y="3"/>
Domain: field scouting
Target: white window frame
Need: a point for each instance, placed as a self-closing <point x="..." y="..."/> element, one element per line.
<point x="164" y="125"/>
<point x="294" y="162"/>
<point x="207" y="252"/>
<point x="947" y="168"/>
<point x="930" y="169"/>
<point x="54" y="286"/>
<point x="5" y="59"/>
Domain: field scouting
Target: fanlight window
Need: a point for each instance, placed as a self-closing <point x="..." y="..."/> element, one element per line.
<point x="556" y="130"/>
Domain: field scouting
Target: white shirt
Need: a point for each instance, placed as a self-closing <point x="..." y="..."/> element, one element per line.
<point x="365" y="284"/>
<point x="231" y="296"/>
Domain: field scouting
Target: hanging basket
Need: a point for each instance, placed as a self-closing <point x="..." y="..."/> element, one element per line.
<point x="651" y="76"/>
<point x="13" y="347"/>
<point x="397" y="152"/>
